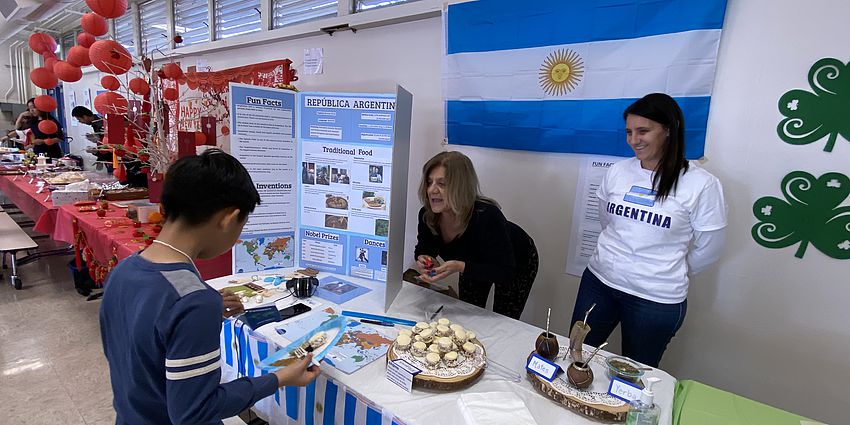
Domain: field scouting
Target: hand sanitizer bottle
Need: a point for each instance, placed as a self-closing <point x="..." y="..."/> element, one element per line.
<point x="644" y="411"/>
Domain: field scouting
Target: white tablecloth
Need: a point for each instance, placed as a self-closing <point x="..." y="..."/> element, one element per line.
<point x="508" y="342"/>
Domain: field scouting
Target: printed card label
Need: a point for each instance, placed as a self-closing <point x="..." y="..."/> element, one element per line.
<point x="542" y="367"/>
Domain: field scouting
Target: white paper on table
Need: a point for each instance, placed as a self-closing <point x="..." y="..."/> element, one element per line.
<point x="586" y="226"/>
<point x="314" y="60"/>
<point x="494" y="408"/>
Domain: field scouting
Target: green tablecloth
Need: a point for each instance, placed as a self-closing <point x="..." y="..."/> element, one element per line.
<point x="699" y="404"/>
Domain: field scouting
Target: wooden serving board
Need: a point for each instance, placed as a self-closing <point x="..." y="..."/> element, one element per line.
<point x="596" y="405"/>
<point x="429" y="380"/>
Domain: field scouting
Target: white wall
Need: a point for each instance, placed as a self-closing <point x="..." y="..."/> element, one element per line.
<point x="762" y="323"/>
<point x="78" y="144"/>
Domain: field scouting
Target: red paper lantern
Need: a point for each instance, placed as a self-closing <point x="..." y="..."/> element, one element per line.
<point x="110" y="83"/>
<point x="49" y="63"/>
<point x="43" y="78"/>
<point x="50" y="141"/>
<point x="108" y="8"/>
<point x="139" y="86"/>
<point x="85" y="39"/>
<point x="170" y="94"/>
<point x="94" y="24"/>
<point x="67" y="72"/>
<point x="47" y="127"/>
<point x="40" y="43"/>
<point x="78" y="56"/>
<point x="111" y="57"/>
<point x="45" y="103"/>
<point x="110" y="103"/>
<point x="200" y="138"/>
<point x="172" y="71"/>
<point x="225" y="130"/>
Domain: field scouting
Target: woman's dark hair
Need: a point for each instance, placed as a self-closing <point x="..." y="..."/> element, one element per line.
<point x="198" y="186"/>
<point x="664" y="110"/>
<point x="41" y="114"/>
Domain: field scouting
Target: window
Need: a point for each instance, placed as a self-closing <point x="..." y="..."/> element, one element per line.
<point x="153" y="18"/>
<point x="361" y="5"/>
<point x="124" y="32"/>
<point x="236" y="17"/>
<point x="65" y="43"/>
<point x="191" y="21"/>
<point x="287" y="12"/>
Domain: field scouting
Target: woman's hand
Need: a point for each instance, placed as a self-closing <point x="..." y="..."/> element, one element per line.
<point x="424" y="263"/>
<point x="38" y="141"/>
<point x="441" y="272"/>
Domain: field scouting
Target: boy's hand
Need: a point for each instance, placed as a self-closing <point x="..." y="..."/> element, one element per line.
<point x="232" y="304"/>
<point x="298" y="374"/>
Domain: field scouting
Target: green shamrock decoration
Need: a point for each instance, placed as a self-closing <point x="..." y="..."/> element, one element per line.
<point x="812" y="213"/>
<point x="826" y="112"/>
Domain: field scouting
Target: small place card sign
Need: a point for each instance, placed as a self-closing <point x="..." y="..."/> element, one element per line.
<point x="624" y="390"/>
<point x="542" y="367"/>
<point x="401" y="373"/>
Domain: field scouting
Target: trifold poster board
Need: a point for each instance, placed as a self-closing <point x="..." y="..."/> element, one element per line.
<point x="325" y="165"/>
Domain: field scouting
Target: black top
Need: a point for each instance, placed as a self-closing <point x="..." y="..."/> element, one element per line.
<point x="491" y="246"/>
<point x="51" y="151"/>
<point x="97" y="126"/>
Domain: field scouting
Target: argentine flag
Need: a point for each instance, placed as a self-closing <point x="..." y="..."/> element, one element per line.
<point x="556" y="76"/>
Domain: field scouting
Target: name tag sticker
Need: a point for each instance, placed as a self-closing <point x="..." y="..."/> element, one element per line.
<point x="624" y="390"/>
<point x="542" y="367"/>
<point x="641" y="196"/>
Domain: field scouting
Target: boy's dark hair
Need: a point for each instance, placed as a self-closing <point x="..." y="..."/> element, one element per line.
<point x="198" y="186"/>
<point x="664" y="110"/>
<point x="81" y="111"/>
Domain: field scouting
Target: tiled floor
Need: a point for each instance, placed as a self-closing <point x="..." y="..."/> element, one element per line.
<point x="52" y="368"/>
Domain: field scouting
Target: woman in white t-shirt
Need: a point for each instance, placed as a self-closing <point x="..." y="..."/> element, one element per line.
<point x="663" y="218"/>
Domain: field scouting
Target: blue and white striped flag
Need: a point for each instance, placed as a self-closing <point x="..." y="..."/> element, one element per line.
<point x="555" y="76"/>
<point x="324" y="402"/>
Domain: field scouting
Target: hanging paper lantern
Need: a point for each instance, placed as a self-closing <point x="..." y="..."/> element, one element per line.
<point x="172" y="71"/>
<point x="49" y="63"/>
<point x="200" y="138"/>
<point x="110" y="83"/>
<point x="45" y="103"/>
<point x="47" y="127"/>
<point x="94" y="24"/>
<point x="139" y="86"/>
<point x="170" y="94"/>
<point x="108" y="8"/>
<point x="40" y="43"/>
<point x="43" y="78"/>
<point x="78" y="56"/>
<point x="111" y="57"/>
<point x="67" y="72"/>
<point x="50" y="141"/>
<point x="85" y="39"/>
<point x="225" y="130"/>
<point x="110" y="103"/>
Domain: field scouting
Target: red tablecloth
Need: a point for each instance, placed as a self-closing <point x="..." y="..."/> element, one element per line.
<point x="113" y="234"/>
<point x="36" y="206"/>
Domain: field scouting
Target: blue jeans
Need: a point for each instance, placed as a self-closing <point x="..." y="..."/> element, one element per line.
<point x="647" y="326"/>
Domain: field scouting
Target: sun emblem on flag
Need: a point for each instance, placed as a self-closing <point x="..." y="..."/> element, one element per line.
<point x="561" y="72"/>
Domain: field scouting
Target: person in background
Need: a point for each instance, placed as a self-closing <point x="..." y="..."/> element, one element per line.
<point x="86" y="116"/>
<point x="160" y="322"/>
<point x="663" y="218"/>
<point x="23" y="121"/>
<point x="474" y="238"/>
<point x="47" y="144"/>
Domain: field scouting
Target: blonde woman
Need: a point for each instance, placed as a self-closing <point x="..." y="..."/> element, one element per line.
<point x="472" y="236"/>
